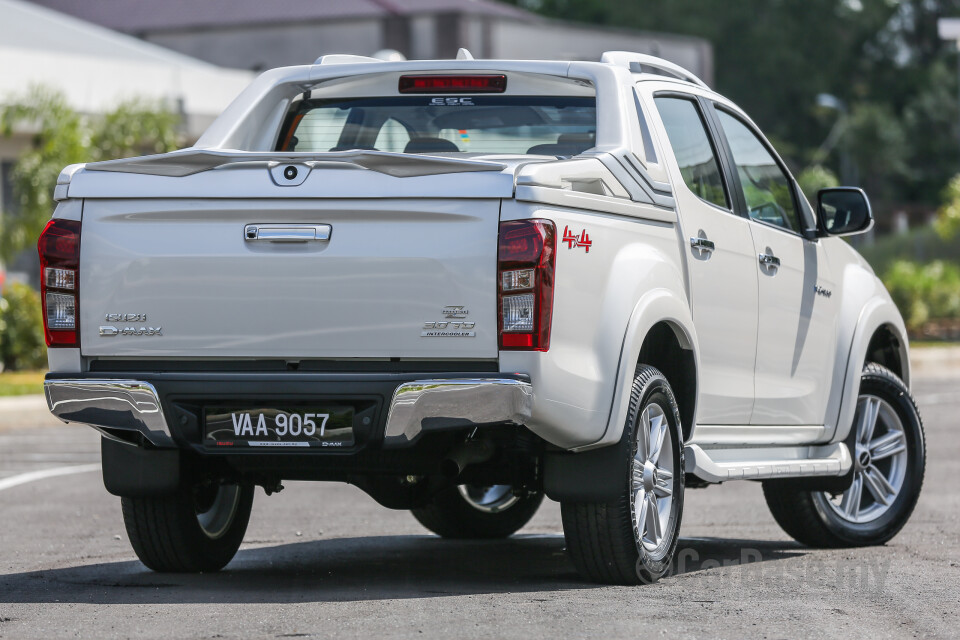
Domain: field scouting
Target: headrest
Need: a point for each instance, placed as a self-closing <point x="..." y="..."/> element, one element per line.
<point x="430" y="145"/>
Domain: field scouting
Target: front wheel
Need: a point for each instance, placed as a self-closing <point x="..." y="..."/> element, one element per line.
<point x="889" y="457"/>
<point x="197" y="529"/>
<point x="633" y="538"/>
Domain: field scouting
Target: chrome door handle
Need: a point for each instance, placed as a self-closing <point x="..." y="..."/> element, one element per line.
<point x="287" y="232"/>
<point x="702" y="245"/>
<point x="768" y="260"/>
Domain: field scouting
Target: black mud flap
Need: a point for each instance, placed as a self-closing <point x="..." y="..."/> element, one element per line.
<point x="598" y="475"/>
<point x="134" y="472"/>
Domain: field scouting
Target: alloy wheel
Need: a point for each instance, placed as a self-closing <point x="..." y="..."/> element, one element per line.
<point x="651" y="481"/>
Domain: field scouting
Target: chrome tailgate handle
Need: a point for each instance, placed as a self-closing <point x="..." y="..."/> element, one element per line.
<point x="287" y="232"/>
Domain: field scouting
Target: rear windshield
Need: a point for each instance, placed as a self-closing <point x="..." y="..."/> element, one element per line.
<point x="545" y="125"/>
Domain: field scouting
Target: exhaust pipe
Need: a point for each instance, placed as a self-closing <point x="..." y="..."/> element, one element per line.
<point x="463" y="455"/>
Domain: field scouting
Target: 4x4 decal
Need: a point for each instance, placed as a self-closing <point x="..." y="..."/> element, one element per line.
<point x="572" y="240"/>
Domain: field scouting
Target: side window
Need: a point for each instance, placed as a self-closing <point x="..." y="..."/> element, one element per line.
<point x="691" y="145"/>
<point x="766" y="188"/>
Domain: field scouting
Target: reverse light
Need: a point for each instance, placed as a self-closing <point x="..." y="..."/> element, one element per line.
<point x="526" y="259"/>
<point x="453" y="84"/>
<point x="59" y="249"/>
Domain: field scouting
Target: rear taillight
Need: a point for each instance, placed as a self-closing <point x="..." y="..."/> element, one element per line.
<point x="59" y="248"/>
<point x="525" y="266"/>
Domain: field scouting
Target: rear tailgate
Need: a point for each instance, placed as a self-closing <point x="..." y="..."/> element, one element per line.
<point x="168" y="276"/>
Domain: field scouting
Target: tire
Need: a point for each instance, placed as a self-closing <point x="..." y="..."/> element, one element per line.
<point x="195" y="530"/>
<point x="473" y="512"/>
<point x="606" y="540"/>
<point x="888" y="423"/>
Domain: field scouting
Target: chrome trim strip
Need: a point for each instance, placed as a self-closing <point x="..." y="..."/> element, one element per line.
<point x="422" y="405"/>
<point x="126" y="405"/>
<point x="720" y="465"/>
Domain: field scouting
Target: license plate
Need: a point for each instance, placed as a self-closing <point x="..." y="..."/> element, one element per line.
<point x="323" y="426"/>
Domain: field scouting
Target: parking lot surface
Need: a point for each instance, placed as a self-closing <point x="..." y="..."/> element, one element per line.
<point x="324" y="560"/>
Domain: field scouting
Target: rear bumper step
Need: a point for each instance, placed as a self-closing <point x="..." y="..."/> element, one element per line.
<point x="720" y="465"/>
<point x="413" y="405"/>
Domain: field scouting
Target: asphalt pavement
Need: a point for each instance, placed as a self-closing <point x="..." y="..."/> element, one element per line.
<point x="324" y="560"/>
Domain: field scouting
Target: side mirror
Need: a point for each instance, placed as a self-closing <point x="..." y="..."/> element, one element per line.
<point x="843" y="211"/>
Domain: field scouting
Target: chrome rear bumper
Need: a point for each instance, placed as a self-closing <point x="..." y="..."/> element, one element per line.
<point x="424" y="405"/>
<point x="123" y="405"/>
<point x="416" y="406"/>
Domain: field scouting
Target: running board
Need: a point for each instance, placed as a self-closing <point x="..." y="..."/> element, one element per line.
<point x="720" y="465"/>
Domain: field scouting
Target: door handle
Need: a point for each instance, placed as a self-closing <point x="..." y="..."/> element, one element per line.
<point x="287" y="232"/>
<point x="702" y="245"/>
<point x="768" y="260"/>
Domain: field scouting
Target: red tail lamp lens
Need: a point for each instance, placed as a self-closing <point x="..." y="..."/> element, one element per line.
<point x="453" y="84"/>
<point x="526" y="261"/>
<point x="59" y="249"/>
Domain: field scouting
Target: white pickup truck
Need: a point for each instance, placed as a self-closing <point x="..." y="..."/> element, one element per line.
<point x="464" y="284"/>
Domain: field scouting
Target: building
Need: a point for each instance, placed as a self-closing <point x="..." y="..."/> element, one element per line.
<point x="96" y="69"/>
<point x="195" y="56"/>
<point x="257" y="35"/>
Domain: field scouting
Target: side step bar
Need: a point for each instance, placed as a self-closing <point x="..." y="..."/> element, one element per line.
<point x="720" y="465"/>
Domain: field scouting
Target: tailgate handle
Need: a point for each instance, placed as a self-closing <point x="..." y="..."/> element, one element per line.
<point x="287" y="232"/>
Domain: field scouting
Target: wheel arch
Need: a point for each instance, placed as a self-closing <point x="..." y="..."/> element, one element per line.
<point x="881" y="337"/>
<point x="663" y="348"/>
<point x="660" y="333"/>
<point x="887" y="347"/>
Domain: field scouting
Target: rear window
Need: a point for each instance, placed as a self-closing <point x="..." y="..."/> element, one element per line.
<point x="545" y="125"/>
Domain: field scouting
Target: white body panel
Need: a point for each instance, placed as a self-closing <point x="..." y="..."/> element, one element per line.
<point x="389" y="267"/>
<point x="797" y="331"/>
<point x="723" y="299"/>
<point x="775" y="364"/>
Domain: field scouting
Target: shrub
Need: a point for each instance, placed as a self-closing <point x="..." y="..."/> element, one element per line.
<point x="948" y="222"/>
<point x="22" y="344"/>
<point x="924" y="292"/>
<point x="814" y="178"/>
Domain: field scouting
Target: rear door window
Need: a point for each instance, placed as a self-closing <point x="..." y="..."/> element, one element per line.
<point x="691" y="145"/>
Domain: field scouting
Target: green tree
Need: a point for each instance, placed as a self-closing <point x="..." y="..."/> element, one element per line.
<point x="948" y="216"/>
<point x="814" y="178"/>
<point x="135" y="128"/>
<point x="883" y="58"/>
<point x="879" y="146"/>
<point x="61" y="136"/>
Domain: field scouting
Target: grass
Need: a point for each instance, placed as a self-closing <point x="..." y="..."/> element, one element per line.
<point x="932" y="344"/>
<point x="19" y="383"/>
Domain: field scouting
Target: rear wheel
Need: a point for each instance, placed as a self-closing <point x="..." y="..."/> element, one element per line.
<point x="477" y="511"/>
<point x="889" y="457"/>
<point x="632" y="539"/>
<point x="197" y="529"/>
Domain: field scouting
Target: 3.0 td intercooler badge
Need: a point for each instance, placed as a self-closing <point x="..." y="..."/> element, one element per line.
<point x="454" y="326"/>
